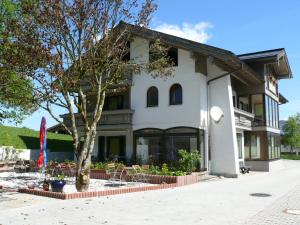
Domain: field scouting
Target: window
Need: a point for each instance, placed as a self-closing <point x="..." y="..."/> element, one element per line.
<point x="126" y="55"/>
<point x="244" y="103"/>
<point x="252" y="146"/>
<point x="180" y="141"/>
<point x="271" y="112"/>
<point x="247" y="145"/>
<point x="274" y="146"/>
<point x="157" y="146"/>
<point x="258" y="109"/>
<point x="116" y="147"/>
<point x="152" y="97"/>
<point x="149" y="149"/>
<point x="173" y="55"/>
<point x="239" y="138"/>
<point x="155" y="54"/>
<point x="255" y="147"/>
<point x="114" y="102"/>
<point x="176" y="94"/>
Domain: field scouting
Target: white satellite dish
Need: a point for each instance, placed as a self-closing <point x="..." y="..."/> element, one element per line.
<point x="216" y="113"/>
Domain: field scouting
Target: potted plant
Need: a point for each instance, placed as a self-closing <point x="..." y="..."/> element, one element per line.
<point x="58" y="183"/>
<point x="46" y="185"/>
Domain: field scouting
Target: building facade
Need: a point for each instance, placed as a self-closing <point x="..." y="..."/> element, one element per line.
<point x="154" y="118"/>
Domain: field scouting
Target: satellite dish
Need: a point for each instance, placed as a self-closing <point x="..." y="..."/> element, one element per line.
<point x="216" y="113"/>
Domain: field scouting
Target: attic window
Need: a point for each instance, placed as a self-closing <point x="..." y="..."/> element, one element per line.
<point x="201" y="65"/>
<point x="172" y="54"/>
<point x="126" y="56"/>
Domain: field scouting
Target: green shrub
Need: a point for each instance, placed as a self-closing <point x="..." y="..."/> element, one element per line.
<point x="188" y="161"/>
<point x="290" y="156"/>
<point x="154" y="170"/>
<point x="98" y="166"/>
<point x="164" y="169"/>
<point x="179" y="173"/>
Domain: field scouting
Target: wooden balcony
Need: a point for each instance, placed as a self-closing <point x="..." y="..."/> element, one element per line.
<point x="243" y="119"/>
<point x="117" y="119"/>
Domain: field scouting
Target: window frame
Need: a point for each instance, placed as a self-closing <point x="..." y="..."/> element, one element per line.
<point x="148" y="105"/>
<point x="175" y="102"/>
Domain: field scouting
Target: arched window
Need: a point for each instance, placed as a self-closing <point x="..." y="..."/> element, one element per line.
<point x="176" y="94"/>
<point x="152" y="97"/>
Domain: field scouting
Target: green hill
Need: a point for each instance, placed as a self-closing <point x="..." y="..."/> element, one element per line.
<point x="24" y="138"/>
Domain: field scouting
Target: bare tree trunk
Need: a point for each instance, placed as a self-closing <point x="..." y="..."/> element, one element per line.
<point x="84" y="162"/>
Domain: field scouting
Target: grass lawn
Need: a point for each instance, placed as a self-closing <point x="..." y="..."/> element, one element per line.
<point x="24" y="138"/>
<point x="291" y="156"/>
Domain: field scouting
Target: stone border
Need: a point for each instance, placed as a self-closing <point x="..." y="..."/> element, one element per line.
<point x="178" y="181"/>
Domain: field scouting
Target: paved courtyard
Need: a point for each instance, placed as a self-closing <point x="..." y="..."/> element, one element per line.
<point x="222" y="201"/>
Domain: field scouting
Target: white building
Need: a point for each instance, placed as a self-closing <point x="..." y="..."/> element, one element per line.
<point x="156" y="117"/>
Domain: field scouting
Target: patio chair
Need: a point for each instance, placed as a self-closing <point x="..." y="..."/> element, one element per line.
<point x="20" y="167"/>
<point x="116" y="173"/>
<point x="139" y="174"/>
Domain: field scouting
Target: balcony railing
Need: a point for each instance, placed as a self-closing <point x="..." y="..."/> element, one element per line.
<point x="113" y="117"/>
<point x="243" y="118"/>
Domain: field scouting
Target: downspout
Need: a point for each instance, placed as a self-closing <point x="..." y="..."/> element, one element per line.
<point x="208" y="107"/>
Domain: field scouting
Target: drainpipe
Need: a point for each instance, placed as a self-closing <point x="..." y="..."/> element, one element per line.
<point x="208" y="107"/>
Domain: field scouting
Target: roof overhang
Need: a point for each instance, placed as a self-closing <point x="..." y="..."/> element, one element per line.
<point x="275" y="58"/>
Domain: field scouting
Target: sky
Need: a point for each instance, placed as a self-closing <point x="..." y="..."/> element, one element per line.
<point x="235" y="25"/>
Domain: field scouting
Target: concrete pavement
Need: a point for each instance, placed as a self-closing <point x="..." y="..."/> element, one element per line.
<point x="223" y="201"/>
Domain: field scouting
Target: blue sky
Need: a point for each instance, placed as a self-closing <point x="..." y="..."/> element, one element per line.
<point x="235" y="25"/>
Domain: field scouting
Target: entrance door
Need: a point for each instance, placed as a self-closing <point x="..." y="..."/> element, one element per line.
<point x="116" y="147"/>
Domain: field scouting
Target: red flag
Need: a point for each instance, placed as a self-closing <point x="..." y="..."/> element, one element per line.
<point x="41" y="161"/>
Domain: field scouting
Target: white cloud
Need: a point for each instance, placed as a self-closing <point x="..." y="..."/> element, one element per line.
<point x="195" y="32"/>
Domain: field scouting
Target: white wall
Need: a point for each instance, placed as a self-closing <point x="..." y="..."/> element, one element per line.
<point x="191" y="113"/>
<point x="223" y="143"/>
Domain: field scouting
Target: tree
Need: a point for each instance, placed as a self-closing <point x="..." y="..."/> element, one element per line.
<point x="291" y="130"/>
<point x="16" y="91"/>
<point x="74" y="49"/>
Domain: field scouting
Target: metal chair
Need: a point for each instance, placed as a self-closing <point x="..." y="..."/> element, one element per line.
<point x="139" y="174"/>
<point x="116" y="172"/>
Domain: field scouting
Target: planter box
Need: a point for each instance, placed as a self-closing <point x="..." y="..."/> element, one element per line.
<point x="153" y="179"/>
<point x="98" y="171"/>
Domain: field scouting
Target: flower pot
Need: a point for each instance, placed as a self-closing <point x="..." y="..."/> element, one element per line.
<point x="57" y="185"/>
<point x="46" y="185"/>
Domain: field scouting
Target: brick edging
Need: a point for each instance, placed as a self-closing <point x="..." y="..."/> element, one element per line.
<point x="175" y="182"/>
<point x="89" y="194"/>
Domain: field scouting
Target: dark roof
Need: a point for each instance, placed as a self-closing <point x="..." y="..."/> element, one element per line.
<point x="261" y="54"/>
<point x="223" y="58"/>
<point x="277" y="58"/>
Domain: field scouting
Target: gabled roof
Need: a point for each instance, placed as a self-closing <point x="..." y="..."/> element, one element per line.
<point x="276" y="58"/>
<point x="223" y="58"/>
